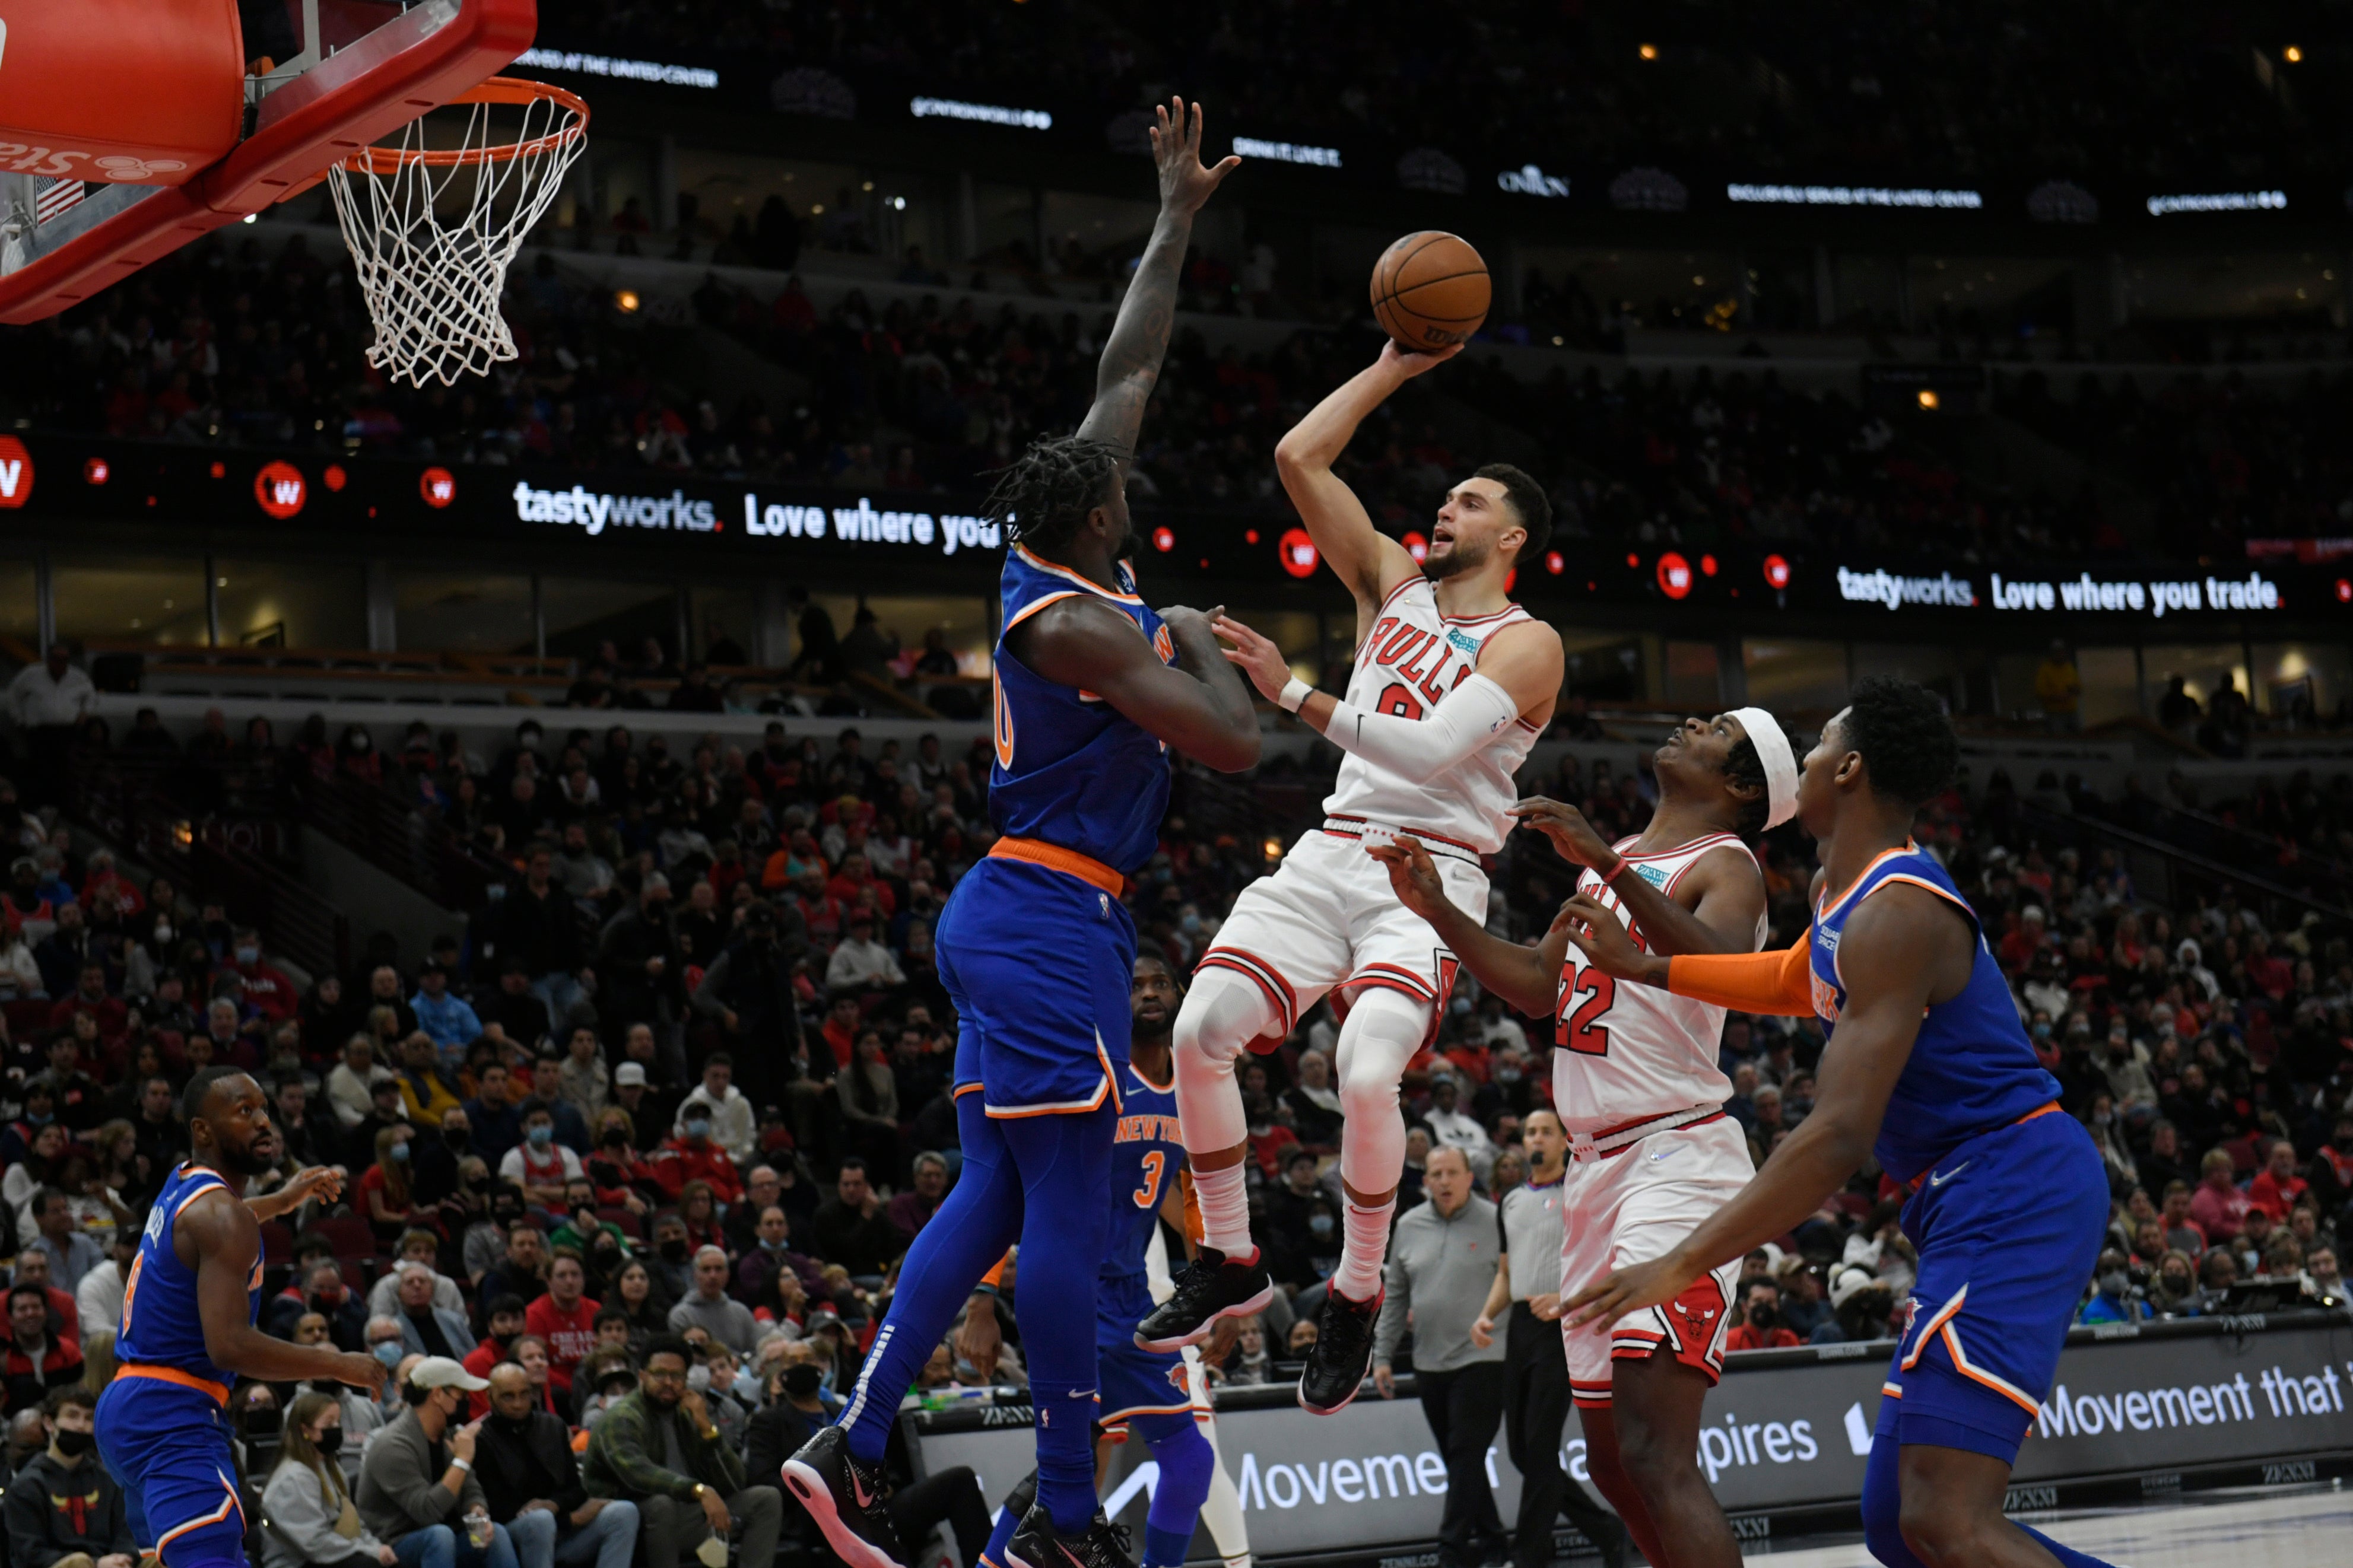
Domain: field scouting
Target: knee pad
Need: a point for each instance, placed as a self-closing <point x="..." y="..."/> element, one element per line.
<point x="1383" y="1031"/>
<point x="1186" y="1461"/>
<point x="1221" y="1016"/>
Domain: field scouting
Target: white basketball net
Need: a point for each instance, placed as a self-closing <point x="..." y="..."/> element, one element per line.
<point x="433" y="230"/>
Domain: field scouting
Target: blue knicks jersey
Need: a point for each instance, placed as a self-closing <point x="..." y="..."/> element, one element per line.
<point x="161" y="1324"/>
<point x="1071" y="770"/>
<point x="1972" y="1069"/>
<point x="1147" y="1156"/>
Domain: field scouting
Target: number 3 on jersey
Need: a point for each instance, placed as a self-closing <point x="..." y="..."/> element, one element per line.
<point x="1584" y="998"/>
<point x="1155" y="1164"/>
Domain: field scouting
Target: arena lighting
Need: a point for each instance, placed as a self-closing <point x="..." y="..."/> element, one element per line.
<point x="655" y="71"/>
<point x="2291" y="54"/>
<point x="1674" y="576"/>
<point x="96" y="472"/>
<point x="1555" y="562"/>
<point x="2220" y="202"/>
<point x="1777" y="571"/>
<point x="1649" y="51"/>
<point x="15" y="472"/>
<point x="1287" y="152"/>
<point x="1707" y="565"/>
<point x="984" y="114"/>
<point x="1163" y="539"/>
<point x="2345" y="591"/>
<point x="1297" y="551"/>
<point x="1416" y="546"/>
<point x="437" y="487"/>
<point x="627" y="299"/>
<point x="1927" y="398"/>
<point x="1854" y="196"/>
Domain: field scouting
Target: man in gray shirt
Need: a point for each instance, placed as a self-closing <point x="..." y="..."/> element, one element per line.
<point x="1535" y="1376"/>
<point x="710" y="1307"/>
<point x="417" y="1491"/>
<point x="1441" y="1262"/>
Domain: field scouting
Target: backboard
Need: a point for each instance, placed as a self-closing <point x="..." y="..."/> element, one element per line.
<point x="109" y="160"/>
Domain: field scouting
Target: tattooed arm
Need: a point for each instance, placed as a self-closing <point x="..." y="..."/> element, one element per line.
<point x="1139" y="338"/>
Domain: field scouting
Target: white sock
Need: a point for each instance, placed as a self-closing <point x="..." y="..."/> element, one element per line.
<point x="1225" y="1211"/>
<point x="1358" y="1276"/>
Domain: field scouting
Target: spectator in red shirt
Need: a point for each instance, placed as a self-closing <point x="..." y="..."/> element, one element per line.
<point x="2019" y="946"/>
<point x="2218" y="1206"/>
<point x="565" y="1317"/>
<point x="90" y="996"/>
<point x="840" y="1030"/>
<point x="2275" y="1190"/>
<point x="819" y="908"/>
<point x="856" y="878"/>
<point x="268" y="990"/>
<point x="1760" y="1327"/>
<point x="689" y="1155"/>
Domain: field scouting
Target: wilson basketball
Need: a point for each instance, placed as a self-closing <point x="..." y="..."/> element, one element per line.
<point x="1430" y="290"/>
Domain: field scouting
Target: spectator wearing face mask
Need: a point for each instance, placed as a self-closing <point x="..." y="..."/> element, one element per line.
<point x="2173" y="1287"/>
<point x="1760" y="1327"/>
<point x="2114" y="1298"/>
<point x="539" y="1165"/>
<point x="312" y="1520"/>
<point x="63" y="1510"/>
<point x="694" y="1154"/>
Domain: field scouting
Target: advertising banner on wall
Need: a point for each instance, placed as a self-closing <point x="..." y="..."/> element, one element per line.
<point x="682" y="523"/>
<point x="1785" y="1433"/>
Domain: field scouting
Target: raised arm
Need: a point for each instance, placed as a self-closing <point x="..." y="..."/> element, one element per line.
<point x="1779" y="984"/>
<point x="1527" y="977"/>
<point x="1725" y="892"/>
<point x="219" y="1237"/>
<point x="1368" y="561"/>
<point x="1199" y="705"/>
<point x="1905" y="949"/>
<point x="1139" y="336"/>
<point x="1518" y="679"/>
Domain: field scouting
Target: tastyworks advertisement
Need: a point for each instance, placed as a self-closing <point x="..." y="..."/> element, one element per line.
<point x="1785" y="1433"/>
<point x="659" y="521"/>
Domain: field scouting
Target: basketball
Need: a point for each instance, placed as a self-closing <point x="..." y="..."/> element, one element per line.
<point x="1430" y="290"/>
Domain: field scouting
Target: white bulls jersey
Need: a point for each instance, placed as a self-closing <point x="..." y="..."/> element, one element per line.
<point x="1412" y="659"/>
<point x="1632" y="1052"/>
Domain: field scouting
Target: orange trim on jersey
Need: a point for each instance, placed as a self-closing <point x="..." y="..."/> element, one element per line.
<point x="1955" y="898"/>
<point x="1107" y="1090"/>
<point x="1089" y="583"/>
<point x="220" y="1392"/>
<point x="219" y="1515"/>
<point x="997" y="1269"/>
<point x="1168" y="1088"/>
<point x="1054" y="857"/>
<point x="962" y="1089"/>
<point x="1777" y="984"/>
<point x="2048" y="1107"/>
<point x="2008" y="1391"/>
<point x="1034" y="606"/>
<point x="1928" y="1330"/>
<point x="1825" y="909"/>
<point x="1891" y="1390"/>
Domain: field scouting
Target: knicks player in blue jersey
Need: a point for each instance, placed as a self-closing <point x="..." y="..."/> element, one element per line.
<point x="1092" y="690"/>
<point x="1927" y="1070"/>
<point x="188" y="1312"/>
<point x="1146" y="1394"/>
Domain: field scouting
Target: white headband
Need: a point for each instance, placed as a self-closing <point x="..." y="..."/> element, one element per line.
<point x="1780" y="763"/>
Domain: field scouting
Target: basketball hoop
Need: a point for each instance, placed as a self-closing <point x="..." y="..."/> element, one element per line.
<point x="434" y="228"/>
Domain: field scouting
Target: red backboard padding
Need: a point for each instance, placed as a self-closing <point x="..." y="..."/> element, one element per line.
<point x="145" y="92"/>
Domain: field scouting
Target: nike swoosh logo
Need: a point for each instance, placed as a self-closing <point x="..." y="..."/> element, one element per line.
<point x="1659" y="1154"/>
<point x="857" y="1490"/>
<point x="1936" y="1181"/>
<point x="1080" y="1394"/>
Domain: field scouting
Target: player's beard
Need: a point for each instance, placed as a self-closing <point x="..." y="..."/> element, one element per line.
<point x="1461" y="557"/>
<point x="247" y="1161"/>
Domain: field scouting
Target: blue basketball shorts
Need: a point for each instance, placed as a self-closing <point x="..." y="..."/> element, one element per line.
<point x="168" y="1445"/>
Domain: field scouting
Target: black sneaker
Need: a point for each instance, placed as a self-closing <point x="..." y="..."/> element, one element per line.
<point x="1207" y="1288"/>
<point x="846" y="1497"/>
<point x="1036" y="1544"/>
<point x="1342" y="1356"/>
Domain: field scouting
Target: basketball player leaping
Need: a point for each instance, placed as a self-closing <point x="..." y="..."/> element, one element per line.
<point x="1928" y="1071"/>
<point x="1453" y="682"/>
<point x="1636" y="1083"/>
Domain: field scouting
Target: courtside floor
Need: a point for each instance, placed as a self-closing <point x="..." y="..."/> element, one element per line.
<point x="2312" y="1527"/>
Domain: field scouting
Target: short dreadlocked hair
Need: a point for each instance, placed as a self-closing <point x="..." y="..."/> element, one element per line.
<point x="1045" y="493"/>
<point x="1906" y="742"/>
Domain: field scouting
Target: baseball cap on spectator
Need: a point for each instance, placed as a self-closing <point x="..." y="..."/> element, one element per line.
<point x="1298" y="1154"/>
<point x="823" y="1317"/>
<point x="629" y="1075"/>
<point x="440" y="1372"/>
